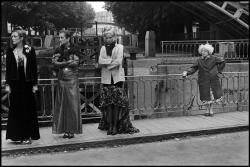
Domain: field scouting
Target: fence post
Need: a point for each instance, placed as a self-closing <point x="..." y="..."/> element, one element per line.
<point x="238" y="93"/>
<point x="185" y="112"/>
<point x="52" y="93"/>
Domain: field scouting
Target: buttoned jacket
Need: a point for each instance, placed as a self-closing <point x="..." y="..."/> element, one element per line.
<point x="111" y="65"/>
<point x="208" y="69"/>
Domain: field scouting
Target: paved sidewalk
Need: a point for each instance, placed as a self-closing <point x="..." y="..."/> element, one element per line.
<point x="150" y="130"/>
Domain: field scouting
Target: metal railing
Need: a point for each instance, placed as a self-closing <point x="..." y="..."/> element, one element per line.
<point x="230" y="49"/>
<point x="34" y="41"/>
<point x="147" y="95"/>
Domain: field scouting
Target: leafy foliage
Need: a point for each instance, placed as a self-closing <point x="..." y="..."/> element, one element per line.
<point x="162" y="17"/>
<point x="47" y="15"/>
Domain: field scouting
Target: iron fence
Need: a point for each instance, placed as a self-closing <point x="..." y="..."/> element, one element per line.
<point x="148" y="95"/>
<point x="230" y="49"/>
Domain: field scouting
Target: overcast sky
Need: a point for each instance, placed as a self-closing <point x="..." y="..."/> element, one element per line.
<point x="97" y="5"/>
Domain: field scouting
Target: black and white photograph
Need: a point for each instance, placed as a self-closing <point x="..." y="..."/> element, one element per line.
<point x="125" y="83"/>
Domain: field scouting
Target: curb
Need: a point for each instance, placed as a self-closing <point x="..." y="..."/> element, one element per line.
<point x="121" y="141"/>
<point x="47" y="123"/>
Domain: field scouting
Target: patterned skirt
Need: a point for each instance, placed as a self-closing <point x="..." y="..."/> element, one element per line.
<point x="116" y="96"/>
<point x="212" y="99"/>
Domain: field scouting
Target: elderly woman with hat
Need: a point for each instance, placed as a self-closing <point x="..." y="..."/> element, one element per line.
<point x="113" y="102"/>
<point x="209" y="66"/>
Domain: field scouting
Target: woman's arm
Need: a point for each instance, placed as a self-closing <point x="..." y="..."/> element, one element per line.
<point x="34" y="64"/>
<point x="220" y="64"/>
<point x="192" y="69"/>
<point x="118" y="59"/>
<point x="103" y="59"/>
<point x="74" y="62"/>
<point x="57" y="63"/>
<point x="8" y="65"/>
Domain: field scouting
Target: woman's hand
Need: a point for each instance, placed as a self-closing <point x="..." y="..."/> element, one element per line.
<point x="70" y="61"/>
<point x="34" y="88"/>
<point x="55" y="57"/>
<point x="7" y="89"/>
<point x="73" y="61"/>
<point x="184" y="74"/>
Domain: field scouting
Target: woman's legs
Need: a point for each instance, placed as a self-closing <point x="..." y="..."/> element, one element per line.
<point x="115" y="120"/>
<point x="109" y="113"/>
<point x="207" y="109"/>
<point x="211" y="109"/>
<point x="112" y="119"/>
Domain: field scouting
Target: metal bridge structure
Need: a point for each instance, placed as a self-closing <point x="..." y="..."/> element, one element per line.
<point x="231" y="17"/>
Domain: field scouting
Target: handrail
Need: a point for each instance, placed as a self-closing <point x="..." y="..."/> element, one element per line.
<point x="195" y="41"/>
<point x="134" y="76"/>
<point x="147" y="94"/>
<point x="232" y="50"/>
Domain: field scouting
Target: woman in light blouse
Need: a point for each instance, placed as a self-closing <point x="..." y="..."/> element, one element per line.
<point x="114" y="101"/>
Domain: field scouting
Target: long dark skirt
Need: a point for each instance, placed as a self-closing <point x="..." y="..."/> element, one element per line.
<point x="67" y="114"/>
<point x="207" y="86"/>
<point x="114" y="98"/>
<point x="22" y="117"/>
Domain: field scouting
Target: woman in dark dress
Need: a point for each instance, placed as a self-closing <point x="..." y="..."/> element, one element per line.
<point x="113" y="102"/>
<point x="67" y="113"/>
<point x="209" y="66"/>
<point x="21" y="83"/>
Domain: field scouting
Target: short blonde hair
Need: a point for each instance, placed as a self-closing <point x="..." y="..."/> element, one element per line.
<point x="109" y="30"/>
<point x="207" y="47"/>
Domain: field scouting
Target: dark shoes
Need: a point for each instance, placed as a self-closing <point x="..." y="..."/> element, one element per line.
<point x="109" y="132"/>
<point x="68" y="135"/>
<point x="27" y="141"/>
<point x="71" y="135"/>
<point x="209" y="114"/>
<point x="112" y="131"/>
<point x="18" y="141"/>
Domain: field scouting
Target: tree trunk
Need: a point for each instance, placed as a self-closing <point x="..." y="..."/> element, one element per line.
<point x="4" y="31"/>
<point x="29" y="32"/>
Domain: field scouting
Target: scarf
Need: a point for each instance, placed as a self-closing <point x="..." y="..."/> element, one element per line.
<point x="109" y="48"/>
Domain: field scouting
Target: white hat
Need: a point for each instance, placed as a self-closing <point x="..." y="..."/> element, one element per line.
<point x="207" y="47"/>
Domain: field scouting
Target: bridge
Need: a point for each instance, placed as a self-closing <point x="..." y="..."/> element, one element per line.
<point x="231" y="17"/>
<point x="228" y="16"/>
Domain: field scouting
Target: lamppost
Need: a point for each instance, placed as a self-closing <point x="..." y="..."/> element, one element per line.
<point x="137" y="36"/>
<point x="96" y="28"/>
<point x="81" y="30"/>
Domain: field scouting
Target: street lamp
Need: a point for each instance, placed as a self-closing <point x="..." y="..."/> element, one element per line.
<point x="96" y="28"/>
<point x="137" y="35"/>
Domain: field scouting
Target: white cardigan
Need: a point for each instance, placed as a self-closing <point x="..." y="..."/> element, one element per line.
<point x="112" y="66"/>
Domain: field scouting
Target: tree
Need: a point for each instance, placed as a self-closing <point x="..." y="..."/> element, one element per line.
<point x="47" y="15"/>
<point x="162" y="17"/>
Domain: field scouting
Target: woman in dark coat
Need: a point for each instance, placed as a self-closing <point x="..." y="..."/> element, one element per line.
<point x="21" y="83"/>
<point x="209" y="67"/>
<point x="67" y="114"/>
